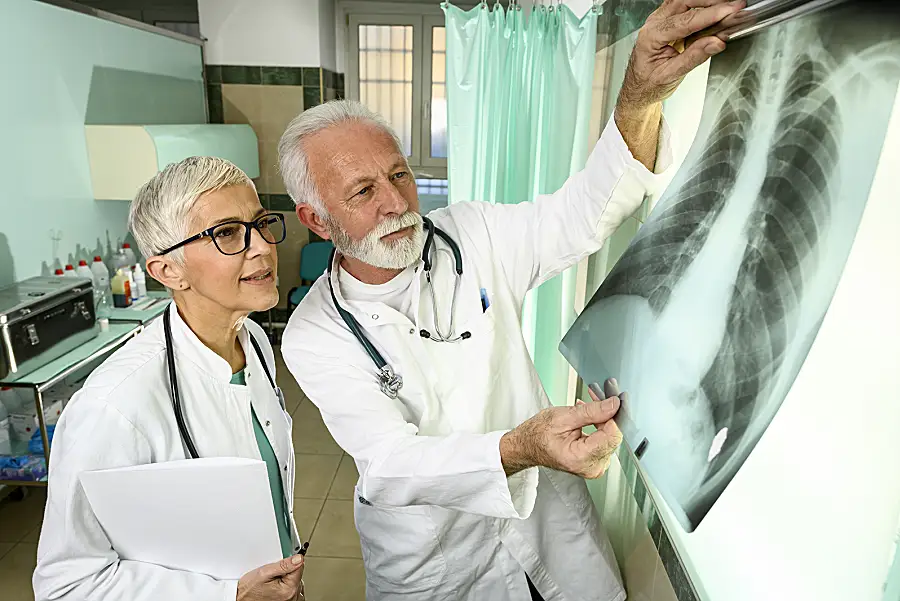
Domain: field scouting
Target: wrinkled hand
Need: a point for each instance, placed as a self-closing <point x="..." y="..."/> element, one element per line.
<point x="660" y="59"/>
<point x="279" y="581"/>
<point x="553" y="438"/>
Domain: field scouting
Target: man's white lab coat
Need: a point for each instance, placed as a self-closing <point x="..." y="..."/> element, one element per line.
<point x="123" y="416"/>
<point x="437" y="516"/>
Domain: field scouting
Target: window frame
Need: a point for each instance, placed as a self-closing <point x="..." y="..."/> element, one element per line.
<point x="423" y="17"/>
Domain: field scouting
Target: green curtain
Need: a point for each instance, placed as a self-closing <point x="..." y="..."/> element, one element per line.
<point x="519" y="102"/>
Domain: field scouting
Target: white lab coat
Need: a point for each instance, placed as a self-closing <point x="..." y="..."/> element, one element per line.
<point x="437" y="516"/>
<point x="123" y="416"/>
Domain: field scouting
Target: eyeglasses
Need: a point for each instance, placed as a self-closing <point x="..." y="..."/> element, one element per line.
<point x="233" y="237"/>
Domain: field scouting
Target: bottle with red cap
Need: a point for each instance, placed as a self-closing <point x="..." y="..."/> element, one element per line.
<point x="83" y="271"/>
<point x="59" y="273"/>
<point x="70" y="271"/>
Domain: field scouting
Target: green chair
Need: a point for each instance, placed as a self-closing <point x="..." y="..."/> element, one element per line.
<point x="313" y="263"/>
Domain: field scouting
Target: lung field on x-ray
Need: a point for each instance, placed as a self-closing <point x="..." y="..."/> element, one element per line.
<point x="780" y="198"/>
<point x="783" y="230"/>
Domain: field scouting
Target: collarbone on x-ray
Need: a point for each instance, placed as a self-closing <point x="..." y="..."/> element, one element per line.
<point x="720" y="294"/>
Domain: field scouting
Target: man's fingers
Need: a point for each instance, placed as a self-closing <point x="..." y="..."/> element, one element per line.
<point x="680" y="26"/>
<point x="671" y="8"/>
<point x="587" y="414"/>
<point x="695" y="55"/>
<point x="611" y="387"/>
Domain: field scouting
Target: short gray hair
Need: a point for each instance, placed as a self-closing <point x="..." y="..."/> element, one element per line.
<point x="158" y="217"/>
<point x="292" y="157"/>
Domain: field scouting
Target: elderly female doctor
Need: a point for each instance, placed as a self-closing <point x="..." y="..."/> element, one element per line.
<point x="211" y="243"/>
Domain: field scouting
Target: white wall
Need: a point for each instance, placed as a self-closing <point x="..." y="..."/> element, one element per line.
<point x="812" y="514"/>
<point x="327" y="36"/>
<point x="279" y="33"/>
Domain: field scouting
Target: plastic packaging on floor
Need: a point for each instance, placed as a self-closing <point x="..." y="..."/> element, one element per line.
<point x="24" y="468"/>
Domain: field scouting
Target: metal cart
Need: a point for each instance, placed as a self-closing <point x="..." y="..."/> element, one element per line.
<point x="41" y="379"/>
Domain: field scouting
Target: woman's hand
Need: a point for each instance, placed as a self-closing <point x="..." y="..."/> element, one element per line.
<point x="279" y="581"/>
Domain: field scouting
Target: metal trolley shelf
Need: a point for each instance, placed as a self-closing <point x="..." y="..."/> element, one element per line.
<point x="41" y="379"/>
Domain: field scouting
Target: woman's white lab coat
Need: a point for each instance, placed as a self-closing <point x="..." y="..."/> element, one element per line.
<point x="123" y="416"/>
<point x="437" y="516"/>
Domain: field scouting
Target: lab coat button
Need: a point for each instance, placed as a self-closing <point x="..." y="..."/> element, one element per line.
<point x="268" y="423"/>
<point x="412" y="331"/>
<point x="375" y="316"/>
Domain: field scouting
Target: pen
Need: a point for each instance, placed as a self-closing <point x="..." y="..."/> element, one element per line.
<point x="485" y="302"/>
<point x="304" y="548"/>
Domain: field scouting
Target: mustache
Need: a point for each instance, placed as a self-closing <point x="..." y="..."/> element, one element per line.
<point x="394" y="224"/>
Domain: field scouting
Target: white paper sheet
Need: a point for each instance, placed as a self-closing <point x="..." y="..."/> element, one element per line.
<point x="212" y="516"/>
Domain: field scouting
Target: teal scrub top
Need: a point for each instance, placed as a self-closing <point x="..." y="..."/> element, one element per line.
<point x="275" y="484"/>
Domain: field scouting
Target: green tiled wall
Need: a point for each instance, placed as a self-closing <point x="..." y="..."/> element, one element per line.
<point x="319" y="85"/>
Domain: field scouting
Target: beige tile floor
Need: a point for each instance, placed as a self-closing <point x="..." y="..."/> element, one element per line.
<point x="323" y="509"/>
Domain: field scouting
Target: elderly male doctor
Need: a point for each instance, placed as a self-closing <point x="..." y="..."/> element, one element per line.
<point x="466" y="487"/>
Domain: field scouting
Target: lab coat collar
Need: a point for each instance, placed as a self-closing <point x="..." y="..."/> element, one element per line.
<point x="372" y="314"/>
<point x="188" y="346"/>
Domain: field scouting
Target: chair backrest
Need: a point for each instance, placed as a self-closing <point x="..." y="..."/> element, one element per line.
<point x="314" y="259"/>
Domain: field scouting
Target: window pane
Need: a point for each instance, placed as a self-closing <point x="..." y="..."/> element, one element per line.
<point x="438" y="94"/>
<point x="437" y="35"/>
<point x="385" y="83"/>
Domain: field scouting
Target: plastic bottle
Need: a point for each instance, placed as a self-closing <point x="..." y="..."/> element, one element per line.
<point x="70" y="272"/>
<point x="100" y="274"/>
<point x="121" y="289"/>
<point x="140" y="280"/>
<point x="59" y="273"/>
<point x="83" y="271"/>
<point x="129" y="254"/>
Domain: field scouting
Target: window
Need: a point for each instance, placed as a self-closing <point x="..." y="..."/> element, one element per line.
<point x="396" y="66"/>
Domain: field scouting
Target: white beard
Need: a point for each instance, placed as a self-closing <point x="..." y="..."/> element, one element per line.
<point x="374" y="251"/>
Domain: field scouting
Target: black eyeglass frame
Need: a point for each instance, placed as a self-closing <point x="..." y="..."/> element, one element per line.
<point x="249" y="226"/>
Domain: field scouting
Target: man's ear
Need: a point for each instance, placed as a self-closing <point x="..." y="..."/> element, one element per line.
<point x="167" y="272"/>
<point x="308" y="217"/>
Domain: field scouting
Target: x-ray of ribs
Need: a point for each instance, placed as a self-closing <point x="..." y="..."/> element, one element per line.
<point x="732" y="247"/>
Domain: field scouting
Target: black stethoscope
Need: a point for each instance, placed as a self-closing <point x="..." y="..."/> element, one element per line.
<point x="173" y="383"/>
<point x="391" y="382"/>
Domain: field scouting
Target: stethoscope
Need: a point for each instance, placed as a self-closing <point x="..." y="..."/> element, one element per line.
<point x="173" y="383"/>
<point x="390" y="381"/>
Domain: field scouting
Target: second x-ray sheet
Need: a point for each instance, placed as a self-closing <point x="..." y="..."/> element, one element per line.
<point x="709" y="314"/>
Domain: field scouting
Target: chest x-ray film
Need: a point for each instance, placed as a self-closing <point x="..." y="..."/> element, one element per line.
<point x="708" y="316"/>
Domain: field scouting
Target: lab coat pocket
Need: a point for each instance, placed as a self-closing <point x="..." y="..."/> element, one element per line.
<point x="400" y="547"/>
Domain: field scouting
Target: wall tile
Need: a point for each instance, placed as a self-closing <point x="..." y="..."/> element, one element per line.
<point x="289" y="252"/>
<point x="654" y="524"/>
<point x="213" y="73"/>
<point x="677" y="576"/>
<point x="268" y="168"/>
<point x="311" y="97"/>
<point x="311" y="77"/>
<point x="214" y="99"/>
<point x="242" y="104"/>
<point x="330" y="94"/>
<point x="241" y="74"/>
<point x="281" y="202"/>
<point x="280" y="104"/>
<point x="340" y="81"/>
<point x="282" y="76"/>
<point x="640" y="491"/>
<point x="639" y="570"/>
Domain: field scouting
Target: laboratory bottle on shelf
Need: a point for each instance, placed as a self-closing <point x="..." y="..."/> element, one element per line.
<point x="121" y="289"/>
<point x="70" y="271"/>
<point x="100" y="274"/>
<point x="59" y="273"/>
<point x="129" y="254"/>
<point x="83" y="271"/>
<point x="140" y="279"/>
